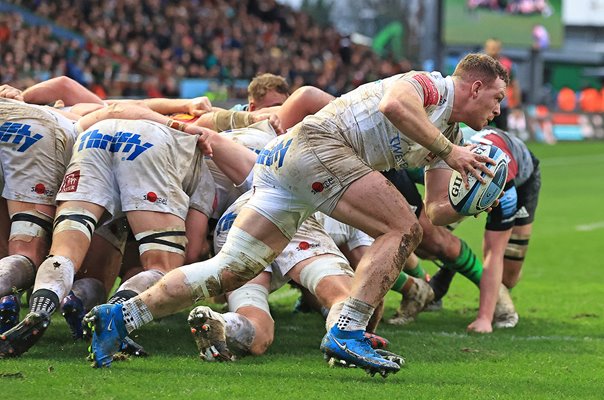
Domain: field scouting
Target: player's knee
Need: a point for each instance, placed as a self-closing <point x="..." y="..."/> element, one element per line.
<point x="75" y="219"/>
<point x="263" y="340"/>
<point x="516" y="248"/>
<point x="170" y="239"/>
<point x="242" y="258"/>
<point x="256" y="326"/>
<point x="323" y="278"/>
<point x="28" y="225"/>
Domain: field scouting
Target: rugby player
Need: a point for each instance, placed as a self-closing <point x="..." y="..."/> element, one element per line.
<point x="329" y="162"/>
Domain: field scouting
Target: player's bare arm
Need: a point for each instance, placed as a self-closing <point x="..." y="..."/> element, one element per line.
<point x="403" y="106"/>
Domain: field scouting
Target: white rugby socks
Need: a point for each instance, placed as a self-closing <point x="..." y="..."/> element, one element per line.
<point x="355" y="315"/>
<point x="136" y="314"/>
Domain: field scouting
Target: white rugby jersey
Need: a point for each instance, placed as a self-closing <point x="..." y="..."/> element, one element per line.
<point x="357" y="118"/>
<point x="64" y="128"/>
<point x="253" y="137"/>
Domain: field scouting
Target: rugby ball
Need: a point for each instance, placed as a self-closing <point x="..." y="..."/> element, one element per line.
<point x="479" y="196"/>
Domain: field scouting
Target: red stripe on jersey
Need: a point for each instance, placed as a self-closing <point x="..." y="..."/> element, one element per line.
<point x="431" y="96"/>
<point x="513" y="164"/>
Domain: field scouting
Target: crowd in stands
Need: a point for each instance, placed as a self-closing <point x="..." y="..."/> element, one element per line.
<point x="144" y="47"/>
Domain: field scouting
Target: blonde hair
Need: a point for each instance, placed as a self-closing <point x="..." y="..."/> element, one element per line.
<point x="476" y="66"/>
<point x="262" y="84"/>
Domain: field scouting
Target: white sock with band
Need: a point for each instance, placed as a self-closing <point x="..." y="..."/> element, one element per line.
<point x="355" y="315"/>
<point x="136" y="314"/>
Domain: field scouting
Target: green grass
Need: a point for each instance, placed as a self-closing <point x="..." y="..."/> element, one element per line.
<point x="557" y="350"/>
<point x="473" y="28"/>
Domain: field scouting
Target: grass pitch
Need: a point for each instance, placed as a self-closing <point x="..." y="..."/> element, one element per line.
<point x="557" y="350"/>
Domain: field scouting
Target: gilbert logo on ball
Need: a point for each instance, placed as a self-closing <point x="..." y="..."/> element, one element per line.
<point x="479" y="196"/>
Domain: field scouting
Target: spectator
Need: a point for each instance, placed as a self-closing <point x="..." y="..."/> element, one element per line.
<point x="221" y="39"/>
<point x="493" y="47"/>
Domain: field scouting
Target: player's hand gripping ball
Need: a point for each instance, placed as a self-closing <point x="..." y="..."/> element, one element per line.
<point x="479" y="196"/>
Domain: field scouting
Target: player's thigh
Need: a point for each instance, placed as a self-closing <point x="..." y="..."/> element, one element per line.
<point x="373" y="205"/>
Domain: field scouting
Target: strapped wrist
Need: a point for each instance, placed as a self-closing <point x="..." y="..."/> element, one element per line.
<point x="228" y="119"/>
<point x="441" y="146"/>
<point x="179" y="126"/>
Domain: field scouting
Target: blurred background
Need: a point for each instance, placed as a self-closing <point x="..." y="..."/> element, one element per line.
<point x="553" y="49"/>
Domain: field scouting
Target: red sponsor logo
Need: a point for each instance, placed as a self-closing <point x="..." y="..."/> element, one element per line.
<point x="305" y="246"/>
<point x="70" y="182"/>
<point x="40" y="188"/>
<point x="431" y="96"/>
<point x="318" y="187"/>
<point x="152" y="197"/>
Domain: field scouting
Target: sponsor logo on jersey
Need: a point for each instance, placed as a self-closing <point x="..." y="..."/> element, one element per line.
<point x="122" y="142"/>
<point x="40" y="188"/>
<point x="522" y="213"/>
<point x="430" y="92"/>
<point x="318" y="187"/>
<point x="276" y="155"/>
<point x="225" y="222"/>
<point x="397" y="151"/>
<point x="19" y="134"/>
<point x="70" y="182"/>
<point x="302" y="246"/>
<point x="152" y="197"/>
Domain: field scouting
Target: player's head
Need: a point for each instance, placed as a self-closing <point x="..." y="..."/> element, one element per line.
<point x="267" y="90"/>
<point x="480" y="84"/>
<point x="492" y="47"/>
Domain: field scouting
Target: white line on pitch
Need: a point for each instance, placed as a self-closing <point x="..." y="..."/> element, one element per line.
<point x="590" y="227"/>
<point x="517" y="338"/>
<point x="572" y="160"/>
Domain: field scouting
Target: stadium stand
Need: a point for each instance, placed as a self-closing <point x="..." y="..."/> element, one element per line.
<point x="142" y="48"/>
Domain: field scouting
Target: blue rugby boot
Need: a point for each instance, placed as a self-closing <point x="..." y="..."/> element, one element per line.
<point x="353" y="349"/>
<point x="24" y="335"/>
<point x="108" y="332"/>
<point x="9" y="312"/>
<point x="73" y="311"/>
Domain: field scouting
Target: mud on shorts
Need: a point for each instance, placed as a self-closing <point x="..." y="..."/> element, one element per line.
<point x="32" y="158"/>
<point x="203" y="193"/>
<point x="125" y="165"/>
<point x="307" y="169"/>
